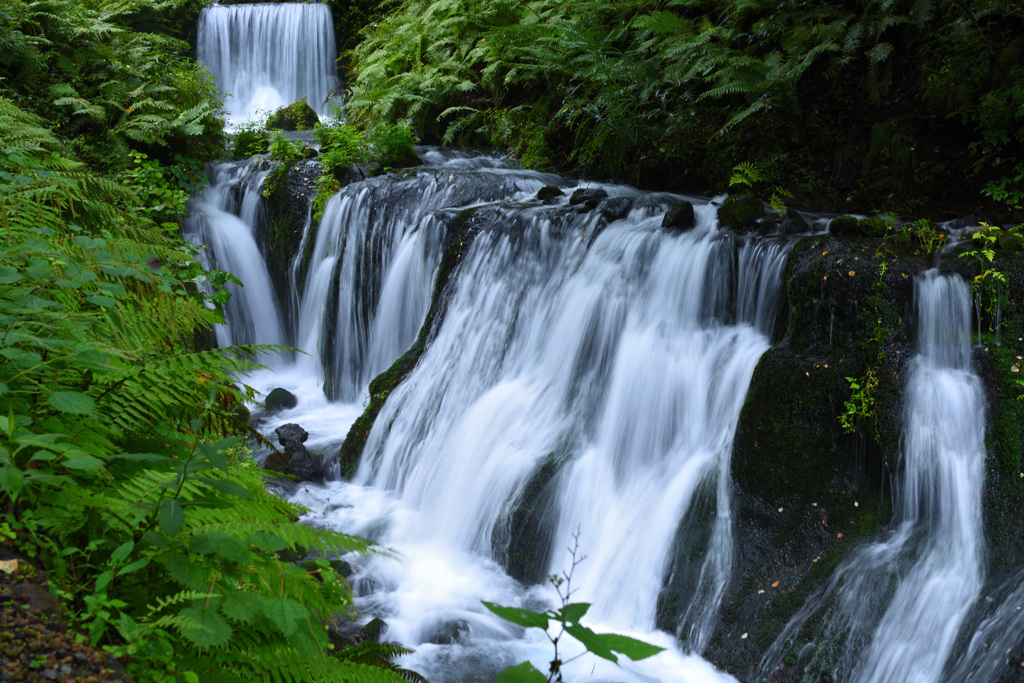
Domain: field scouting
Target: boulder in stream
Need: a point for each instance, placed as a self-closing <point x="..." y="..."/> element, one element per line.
<point x="295" y="461"/>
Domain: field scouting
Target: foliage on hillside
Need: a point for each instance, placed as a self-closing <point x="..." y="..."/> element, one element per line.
<point x="878" y="100"/>
<point x="119" y="471"/>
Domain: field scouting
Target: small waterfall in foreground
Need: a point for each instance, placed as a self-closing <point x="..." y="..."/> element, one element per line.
<point x="900" y="603"/>
<point x="266" y="56"/>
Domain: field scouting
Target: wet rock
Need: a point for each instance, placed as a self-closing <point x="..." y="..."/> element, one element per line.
<point x="587" y="198"/>
<point x="794" y="223"/>
<point x="296" y="461"/>
<point x="449" y="632"/>
<point x="968" y="221"/>
<point x="375" y="630"/>
<point x="280" y="399"/>
<point x="741" y="213"/>
<point x="872" y="227"/>
<point x="679" y="217"/>
<point x="549" y="194"/>
<point x="615" y="208"/>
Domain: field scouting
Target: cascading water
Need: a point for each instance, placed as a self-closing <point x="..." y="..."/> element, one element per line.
<point x="227" y="221"/>
<point x="611" y="366"/>
<point x="608" y="364"/>
<point x="899" y="603"/>
<point x="266" y="56"/>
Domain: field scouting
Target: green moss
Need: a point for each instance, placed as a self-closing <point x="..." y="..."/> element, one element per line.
<point x="872" y="227"/>
<point x="296" y="116"/>
<point x="740" y="212"/>
<point x="457" y="240"/>
<point x="843" y="225"/>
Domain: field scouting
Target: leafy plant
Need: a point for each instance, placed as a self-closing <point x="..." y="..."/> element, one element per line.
<point x="859" y="409"/>
<point x="989" y="284"/>
<point x="566" y="620"/>
<point x="744" y="176"/>
<point x="115" y="433"/>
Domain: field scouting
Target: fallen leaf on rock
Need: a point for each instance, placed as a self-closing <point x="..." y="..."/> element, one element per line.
<point x="775" y="585"/>
<point x="8" y="566"/>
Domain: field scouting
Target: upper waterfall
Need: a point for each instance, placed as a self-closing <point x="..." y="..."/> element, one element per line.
<point x="266" y="56"/>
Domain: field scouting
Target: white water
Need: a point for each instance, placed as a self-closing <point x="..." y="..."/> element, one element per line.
<point x="900" y="603"/>
<point x="266" y="56"/>
<point x="226" y="220"/>
<point x="623" y="360"/>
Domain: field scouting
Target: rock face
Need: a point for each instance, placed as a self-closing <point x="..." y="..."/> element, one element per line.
<point x="296" y="461"/>
<point x="679" y="217"/>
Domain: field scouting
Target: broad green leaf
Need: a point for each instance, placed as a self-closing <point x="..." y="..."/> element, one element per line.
<point x="630" y="647"/>
<point x="171" y="517"/>
<point x="102" y="301"/>
<point x="220" y="543"/>
<point x="103" y="580"/>
<point x="8" y="275"/>
<point x="241" y="607"/>
<point x="518" y="615"/>
<point x="268" y="541"/>
<point x="206" y="628"/>
<point x="521" y="673"/>
<point x="285" y="613"/>
<point x="572" y="613"/>
<point x="122" y="552"/>
<point x="12" y="481"/>
<point x="215" y="456"/>
<point x="85" y="462"/>
<point x="132" y="567"/>
<point x="592" y="641"/>
<point x="74" y="402"/>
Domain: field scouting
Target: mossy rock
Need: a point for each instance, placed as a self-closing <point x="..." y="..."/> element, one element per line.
<point x="843" y="225"/>
<point x="872" y="227"/>
<point x="793" y="223"/>
<point x="1010" y="241"/>
<point x="741" y="212"/>
<point x="679" y="217"/>
<point x="296" y="116"/>
<point x="280" y="399"/>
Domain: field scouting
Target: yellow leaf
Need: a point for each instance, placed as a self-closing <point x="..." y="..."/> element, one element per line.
<point x="775" y="585"/>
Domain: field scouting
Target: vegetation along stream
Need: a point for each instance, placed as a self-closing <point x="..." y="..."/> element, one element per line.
<point x="530" y="312"/>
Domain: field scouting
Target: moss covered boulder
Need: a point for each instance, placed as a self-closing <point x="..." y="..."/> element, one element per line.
<point x="296" y="116"/>
<point x="741" y="213"/>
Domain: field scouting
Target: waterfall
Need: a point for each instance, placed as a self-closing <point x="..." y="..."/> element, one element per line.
<point x="228" y="220"/>
<point x="266" y="56"/>
<point x="898" y="604"/>
<point x="944" y="455"/>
